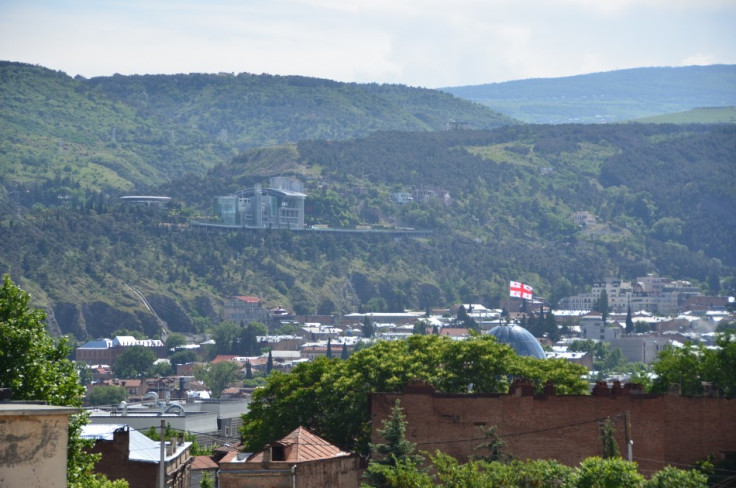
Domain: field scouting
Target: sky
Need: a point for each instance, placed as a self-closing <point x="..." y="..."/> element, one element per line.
<point x="426" y="43"/>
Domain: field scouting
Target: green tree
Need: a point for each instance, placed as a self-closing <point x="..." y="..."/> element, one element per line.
<point x="225" y="335"/>
<point x="183" y="357"/>
<point x="368" y="329"/>
<point x="36" y="368"/>
<point x="595" y="472"/>
<point x="592" y="473"/>
<point x="107" y="395"/>
<point x="601" y="305"/>
<point x="328" y="354"/>
<point x="269" y="362"/>
<point x="162" y="368"/>
<point x="134" y="362"/>
<point x="31" y="362"/>
<point x="680" y="478"/>
<point x="608" y="440"/>
<point x="331" y="397"/>
<point x="420" y="327"/>
<point x="247" y="342"/>
<point x="84" y="372"/>
<point x="680" y="366"/>
<point x="629" y="321"/>
<point x="465" y="320"/>
<point x="396" y="450"/>
<point x="174" y="340"/>
<point x="207" y="481"/>
<point x="248" y="370"/>
<point x="492" y="447"/>
<point x="217" y="376"/>
<point x="404" y="474"/>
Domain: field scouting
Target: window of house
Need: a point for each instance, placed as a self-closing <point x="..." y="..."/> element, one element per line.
<point x="277" y="453"/>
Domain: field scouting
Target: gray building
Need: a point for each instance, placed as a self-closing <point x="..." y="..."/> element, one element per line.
<point x="281" y="206"/>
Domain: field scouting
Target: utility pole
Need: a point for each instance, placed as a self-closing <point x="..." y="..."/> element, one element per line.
<point x="162" y="460"/>
<point x="629" y="442"/>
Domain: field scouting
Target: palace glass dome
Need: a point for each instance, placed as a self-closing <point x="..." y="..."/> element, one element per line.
<point x="519" y="339"/>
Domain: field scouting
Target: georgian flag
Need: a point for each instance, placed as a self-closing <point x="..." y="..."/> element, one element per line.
<point x="520" y="290"/>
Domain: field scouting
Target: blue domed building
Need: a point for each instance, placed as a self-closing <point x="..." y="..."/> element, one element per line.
<point x="519" y="339"/>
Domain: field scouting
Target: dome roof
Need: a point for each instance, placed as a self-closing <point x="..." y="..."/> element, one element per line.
<point x="521" y="340"/>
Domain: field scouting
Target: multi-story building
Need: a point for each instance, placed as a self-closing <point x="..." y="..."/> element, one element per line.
<point x="281" y="206"/>
<point x="105" y="351"/>
<point x="650" y="293"/>
<point x="592" y="327"/>
<point x="246" y="309"/>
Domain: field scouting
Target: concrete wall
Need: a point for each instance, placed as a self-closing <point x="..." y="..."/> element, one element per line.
<point x="665" y="429"/>
<point x="33" y="444"/>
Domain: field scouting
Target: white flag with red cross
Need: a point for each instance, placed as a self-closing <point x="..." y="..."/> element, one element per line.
<point x="520" y="290"/>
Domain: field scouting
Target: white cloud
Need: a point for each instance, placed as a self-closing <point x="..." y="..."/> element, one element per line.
<point x="418" y="42"/>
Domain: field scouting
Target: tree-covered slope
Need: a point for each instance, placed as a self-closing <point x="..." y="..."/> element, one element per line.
<point x="124" y="132"/>
<point x="609" y="96"/>
<point x="663" y="199"/>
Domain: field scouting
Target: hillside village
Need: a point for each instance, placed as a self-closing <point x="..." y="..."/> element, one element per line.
<point x="212" y="418"/>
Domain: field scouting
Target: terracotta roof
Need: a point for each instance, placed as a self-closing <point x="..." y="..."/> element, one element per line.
<point x="224" y="357"/>
<point x="300" y="446"/>
<point x="249" y="299"/>
<point x="203" y="462"/>
<point x="453" y="331"/>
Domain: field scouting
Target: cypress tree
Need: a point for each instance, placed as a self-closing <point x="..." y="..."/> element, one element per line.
<point x="248" y="370"/>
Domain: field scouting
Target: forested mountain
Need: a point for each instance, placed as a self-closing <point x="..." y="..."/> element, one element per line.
<point x="611" y="96"/>
<point x="118" y="133"/>
<point x="663" y="198"/>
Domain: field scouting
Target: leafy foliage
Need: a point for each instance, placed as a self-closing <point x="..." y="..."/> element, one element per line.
<point x="395" y="453"/>
<point x="592" y="473"/>
<point x="107" y="395"/>
<point x="37" y="368"/>
<point x="331" y="397"/>
<point x="217" y="376"/>
<point x="694" y="365"/>
<point x="134" y="362"/>
<point x="33" y="364"/>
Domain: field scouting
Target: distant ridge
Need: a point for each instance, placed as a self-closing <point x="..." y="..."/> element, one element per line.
<point x="610" y="96"/>
<point x="128" y="132"/>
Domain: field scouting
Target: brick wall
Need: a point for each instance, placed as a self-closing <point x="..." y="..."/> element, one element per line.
<point x="340" y="472"/>
<point x="665" y="429"/>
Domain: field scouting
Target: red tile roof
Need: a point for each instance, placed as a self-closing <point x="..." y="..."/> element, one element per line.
<point x="203" y="462"/>
<point x="224" y="357"/>
<point x="249" y="299"/>
<point x="301" y="445"/>
<point x="453" y="331"/>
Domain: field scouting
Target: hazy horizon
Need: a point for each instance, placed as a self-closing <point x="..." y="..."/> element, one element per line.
<point x="417" y="43"/>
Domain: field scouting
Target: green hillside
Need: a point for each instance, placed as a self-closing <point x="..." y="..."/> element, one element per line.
<point x="612" y="96"/>
<point x="708" y="115"/>
<point x="663" y="198"/>
<point x="120" y="133"/>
